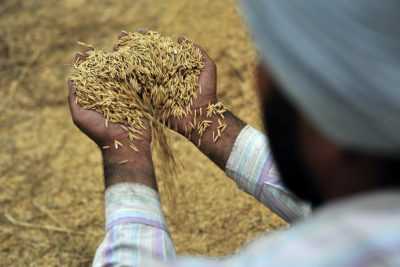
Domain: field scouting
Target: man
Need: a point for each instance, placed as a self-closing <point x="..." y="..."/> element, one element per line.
<point x="328" y="87"/>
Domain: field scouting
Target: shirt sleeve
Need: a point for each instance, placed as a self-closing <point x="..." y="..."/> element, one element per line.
<point x="137" y="236"/>
<point x="252" y="167"/>
<point x="135" y="228"/>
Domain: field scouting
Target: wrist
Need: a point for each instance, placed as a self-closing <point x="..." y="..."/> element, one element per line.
<point x="114" y="173"/>
<point x="211" y="131"/>
<point x="219" y="149"/>
<point x="197" y="113"/>
<point x="202" y="118"/>
<point x="124" y="154"/>
<point x="124" y="165"/>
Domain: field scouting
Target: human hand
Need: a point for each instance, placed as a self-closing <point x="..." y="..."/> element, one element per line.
<point x="220" y="151"/>
<point x="121" y="163"/>
<point x="206" y="94"/>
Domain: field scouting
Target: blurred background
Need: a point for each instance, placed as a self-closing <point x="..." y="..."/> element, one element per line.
<point x="51" y="190"/>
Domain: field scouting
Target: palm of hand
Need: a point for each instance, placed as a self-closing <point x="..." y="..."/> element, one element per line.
<point x="206" y="94"/>
<point x="92" y="123"/>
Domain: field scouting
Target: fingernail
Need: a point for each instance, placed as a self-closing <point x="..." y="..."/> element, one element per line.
<point x="71" y="86"/>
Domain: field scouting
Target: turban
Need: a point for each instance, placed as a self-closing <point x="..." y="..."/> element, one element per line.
<point x="338" y="61"/>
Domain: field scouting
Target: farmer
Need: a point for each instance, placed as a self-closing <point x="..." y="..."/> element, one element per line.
<point x="328" y="84"/>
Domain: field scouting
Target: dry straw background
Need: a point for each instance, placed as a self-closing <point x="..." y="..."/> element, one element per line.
<point x="51" y="190"/>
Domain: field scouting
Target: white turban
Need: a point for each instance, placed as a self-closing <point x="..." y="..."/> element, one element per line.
<point x="339" y="62"/>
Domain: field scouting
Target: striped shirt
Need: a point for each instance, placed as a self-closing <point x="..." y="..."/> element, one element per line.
<point x="362" y="231"/>
<point x="252" y="167"/>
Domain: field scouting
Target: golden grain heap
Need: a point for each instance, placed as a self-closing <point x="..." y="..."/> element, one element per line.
<point x="148" y="77"/>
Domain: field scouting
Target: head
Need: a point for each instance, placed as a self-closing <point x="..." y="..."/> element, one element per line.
<point x="311" y="165"/>
<point x="329" y="88"/>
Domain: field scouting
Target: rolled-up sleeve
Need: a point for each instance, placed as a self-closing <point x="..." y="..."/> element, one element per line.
<point x="135" y="228"/>
<point x="252" y="167"/>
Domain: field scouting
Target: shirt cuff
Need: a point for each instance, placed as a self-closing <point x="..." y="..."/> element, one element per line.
<point x="252" y="167"/>
<point x="250" y="163"/>
<point x="130" y="203"/>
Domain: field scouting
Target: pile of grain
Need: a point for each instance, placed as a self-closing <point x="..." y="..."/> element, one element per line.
<point x="148" y="77"/>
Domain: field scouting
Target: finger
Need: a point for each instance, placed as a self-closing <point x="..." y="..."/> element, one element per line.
<point x="71" y="87"/>
<point x="115" y="47"/>
<point x="87" y="51"/>
<point x="71" y="94"/>
<point x="209" y="65"/>
<point x="208" y="75"/>
<point x="207" y="60"/>
<point x="203" y="52"/>
<point x="181" y="39"/>
<point x="81" y="56"/>
<point x="72" y="100"/>
<point x="81" y="116"/>
<point x="122" y="34"/>
<point x="78" y="57"/>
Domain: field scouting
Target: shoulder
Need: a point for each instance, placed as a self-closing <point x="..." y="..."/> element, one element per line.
<point x="356" y="232"/>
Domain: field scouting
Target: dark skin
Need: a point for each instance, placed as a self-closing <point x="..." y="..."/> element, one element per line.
<point x="139" y="168"/>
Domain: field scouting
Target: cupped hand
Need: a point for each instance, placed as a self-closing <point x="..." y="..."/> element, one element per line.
<point x="120" y="162"/>
<point x="206" y="93"/>
<point x="93" y="124"/>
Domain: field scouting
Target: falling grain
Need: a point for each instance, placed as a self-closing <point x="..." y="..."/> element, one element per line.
<point x="215" y="139"/>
